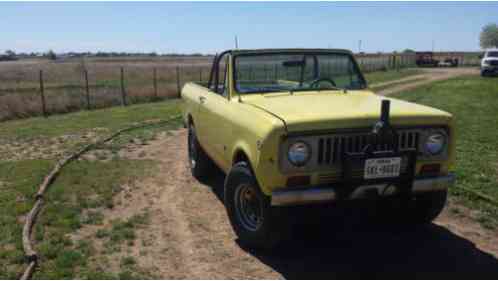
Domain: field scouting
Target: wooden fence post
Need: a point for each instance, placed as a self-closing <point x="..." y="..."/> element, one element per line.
<point x="87" y="88"/>
<point x="178" y="90"/>
<point x="154" y="81"/>
<point x="200" y="74"/>
<point x="42" y="95"/>
<point x="123" y="92"/>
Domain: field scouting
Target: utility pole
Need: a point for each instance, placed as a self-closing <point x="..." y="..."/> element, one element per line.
<point x="359" y="46"/>
<point x="433" y="44"/>
<point x="236" y="42"/>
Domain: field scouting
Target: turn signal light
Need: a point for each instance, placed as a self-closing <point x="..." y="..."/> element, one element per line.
<point x="430" y="170"/>
<point x="298" y="181"/>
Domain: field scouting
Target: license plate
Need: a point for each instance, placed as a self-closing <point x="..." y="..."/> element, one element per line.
<point x="382" y="168"/>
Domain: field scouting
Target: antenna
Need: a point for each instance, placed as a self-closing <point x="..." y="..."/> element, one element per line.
<point x="236" y="42"/>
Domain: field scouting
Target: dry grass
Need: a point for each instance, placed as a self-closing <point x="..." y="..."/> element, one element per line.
<point x="64" y="82"/>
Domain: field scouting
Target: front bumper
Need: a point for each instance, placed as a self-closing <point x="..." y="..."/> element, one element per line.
<point x="331" y="193"/>
<point x="490" y="68"/>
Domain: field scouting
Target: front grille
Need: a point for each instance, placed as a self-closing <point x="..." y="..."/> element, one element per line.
<point x="494" y="62"/>
<point x="328" y="149"/>
<point x="331" y="147"/>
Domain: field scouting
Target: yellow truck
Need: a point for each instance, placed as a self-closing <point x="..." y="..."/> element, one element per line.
<point x="293" y="127"/>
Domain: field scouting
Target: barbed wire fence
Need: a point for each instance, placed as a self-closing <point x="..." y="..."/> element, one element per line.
<point x="69" y="87"/>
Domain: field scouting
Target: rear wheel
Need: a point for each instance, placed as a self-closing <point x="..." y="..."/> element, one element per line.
<point x="254" y="220"/>
<point x="200" y="164"/>
<point x="419" y="209"/>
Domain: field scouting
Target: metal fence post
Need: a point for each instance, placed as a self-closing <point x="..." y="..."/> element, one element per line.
<point x="178" y="90"/>
<point x="123" y="92"/>
<point x="42" y="95"/>
<point x="154" y="81"/>
<point x="87" y="88"/>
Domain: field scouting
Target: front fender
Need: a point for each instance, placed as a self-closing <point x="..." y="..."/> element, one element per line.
<point x="265" y="165"/>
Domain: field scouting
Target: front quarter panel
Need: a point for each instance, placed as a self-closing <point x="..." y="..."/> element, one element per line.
<point x="257" y="134"/>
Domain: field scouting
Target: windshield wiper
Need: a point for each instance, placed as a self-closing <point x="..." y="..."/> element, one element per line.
<point x="319" y="89"/>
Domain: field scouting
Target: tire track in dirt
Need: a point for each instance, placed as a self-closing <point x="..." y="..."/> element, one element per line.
<point x="430" y="75"/>
<point x="189" y="236"/>
<point x="406" y="79"/>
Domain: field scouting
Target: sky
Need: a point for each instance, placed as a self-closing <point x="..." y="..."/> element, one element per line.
<point x="189" y="27"/>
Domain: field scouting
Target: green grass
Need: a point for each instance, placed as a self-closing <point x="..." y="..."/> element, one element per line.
<point x="474" y="103"/>
<point x="390" y="75"/>
<point x="122" y="231"/>
<point x="82" y="185"/>
<point x="79" y="195"/>
<point x="111" y="118"/>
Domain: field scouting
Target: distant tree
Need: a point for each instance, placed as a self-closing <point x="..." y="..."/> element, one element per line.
<point x="51" y="55"/>
<point x="408" y="51"/>
<point x="489" y="36"/>
<point x="10" y="53"/>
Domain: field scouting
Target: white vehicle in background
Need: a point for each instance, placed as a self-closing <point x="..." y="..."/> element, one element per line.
<point x="489" y="63"/>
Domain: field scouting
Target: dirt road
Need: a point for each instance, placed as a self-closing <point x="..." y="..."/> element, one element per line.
<point x="430" y="75"/>
<point x="190" y="237"/>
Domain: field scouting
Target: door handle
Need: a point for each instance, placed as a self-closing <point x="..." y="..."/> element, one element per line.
<point x="202" y="99"/>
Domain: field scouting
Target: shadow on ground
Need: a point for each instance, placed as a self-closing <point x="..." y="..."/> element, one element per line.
<point x="360" y="249"/>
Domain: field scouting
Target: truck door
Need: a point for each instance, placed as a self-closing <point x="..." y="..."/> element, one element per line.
<point x="213" y="108"/>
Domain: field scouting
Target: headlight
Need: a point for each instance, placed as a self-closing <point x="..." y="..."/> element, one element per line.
<point x="434" y="144"/>
<point x="299" y="153"/>
<point x="485" y="63"/>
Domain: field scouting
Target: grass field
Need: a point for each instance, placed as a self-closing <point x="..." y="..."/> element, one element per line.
<point x="65" y="84"/>
<point x="474" y="103"/>
<point x="84" y="190"/>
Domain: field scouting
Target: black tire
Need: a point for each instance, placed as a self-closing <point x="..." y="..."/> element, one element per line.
<point x="256" y="223"/>
<point x="201" y="166"/>
<point x="419" y="209"/>
<point x="484" y="73"/>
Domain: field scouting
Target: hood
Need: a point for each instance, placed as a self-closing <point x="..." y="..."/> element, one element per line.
<point x="325" y="110"/>
<point x="490" y="59"/>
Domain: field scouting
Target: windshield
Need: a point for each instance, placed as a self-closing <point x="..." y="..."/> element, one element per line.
<point x="260" y="73"/>
<point x="492" y="55"/>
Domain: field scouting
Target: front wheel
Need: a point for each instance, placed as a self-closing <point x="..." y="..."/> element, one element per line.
<point x="255" y="222"/>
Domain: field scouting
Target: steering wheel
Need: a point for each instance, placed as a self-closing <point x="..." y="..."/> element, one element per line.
<point x="315" y="83"/>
